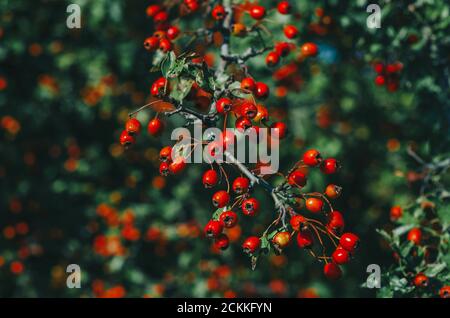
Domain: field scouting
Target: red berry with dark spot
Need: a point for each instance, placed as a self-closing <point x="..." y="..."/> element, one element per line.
<point x="332" y="271"/>
<point x="297" y="178"/>
<point x="333" y="191"/>
<point x="213" y="228"/>
<point x="220" y="199"/>
<point x="312" y="158"/>
<point x="421" y="280"/>
<point x="283" y="48"/>
<point x="241" y="185"/>
<point x="164" y="169"/>
<point x="335" y="222"/>
<point x="249" y="110"/>
<point x="251" y="244"/>
<point x="165" y="45"/>
<point x="165" y="154"/>
<point x="444" y="292"/>
<point x="222" y="242"/>
<point x="250" y="206"/>
<point x="126" y="139"/>
<point x="210" y="178"/>
<point x="218" y="12"/>
<point x="272" y="59"/>
<point x="349" y="241"/>
<point x="298" y="222"/>
<point x="224" y="105"/>
<point x="243" y="123"/>
<point x="229" y="219"/>
<point x="133" y="126"/>
<point x="151" y="43"/>
<point x="305" y="239"/>
<point x="284" y="7"/>
<point x="248" y="84"/>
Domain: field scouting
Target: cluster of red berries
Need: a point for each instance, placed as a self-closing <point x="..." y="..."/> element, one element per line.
<point x="388" y="74"/>
<point x="304" y="227"/>
<point x="133" y="128"/>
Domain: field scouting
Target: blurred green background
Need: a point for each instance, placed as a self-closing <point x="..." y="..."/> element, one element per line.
<point x="67" y="186"/>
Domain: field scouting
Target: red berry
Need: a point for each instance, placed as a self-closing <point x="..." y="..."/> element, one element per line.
<point x="312" y="158"/>
<point x="126" y="139"/>
<point x="297" y="178"/>
<point x="392" y="85"/>
<point x="415" y="236"/>
<point x="329" y="166"/>
<point x="250" y="206"/>
<point x="222" y="242"/>
<point x="380" y="80"/>
<point x="257" y="12"/>
<point x="332" y="271"/>
<point x="161" y="17"/>
<point x="290" y="31"/>
<point x="151" y="43"/>
<point x="396" y="213"/>
<point x="155" y="126"/>
<point x="241" y="185"/>
<point x="220" y="199"/>
<point x="224" y="105"/>
<point x="272" y="59"/>
<point x="281" y="239"/>
<point x="249" y="110"/>
<point x="314" y="205"/>
<point x="218" y="12"/>
<point x="309" y="49"/>
<point x="444" y="292"/>
<point x="262" y="90"/>
<point x="165" y="154"/>
<point x="349" y="242"/>
<point x="177" y="165"/>
<point x="284" y="7"/>
<point x="262" y="113"/>
<point x="243" y="123"/>
<point x="213" y="228"/>
<point x="335" y="222"/>
<point x="210" y="178"/>
<point x="333" y="191"/>
<point x="152" y="10"/>
<point x="164" y="169"/>
<point x="421" y="280"/>
<point x="305" y="239"/>
<point x="280" y="127"/>
<point x="248" y="84"/>
<point x="192" y="5"/>
<point x="158" y="86"/>
<point x="229" y="219"/>
<point x="378" y="67"/>
<point x="297" y="222"/>
<point x="283" y="48"/>
<point x="165" y="45"/>
<point x="173" y="32"/>
<point x="340" y="256"/>
<point x="133" y="126"/>
<point x="251" y="244"/>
